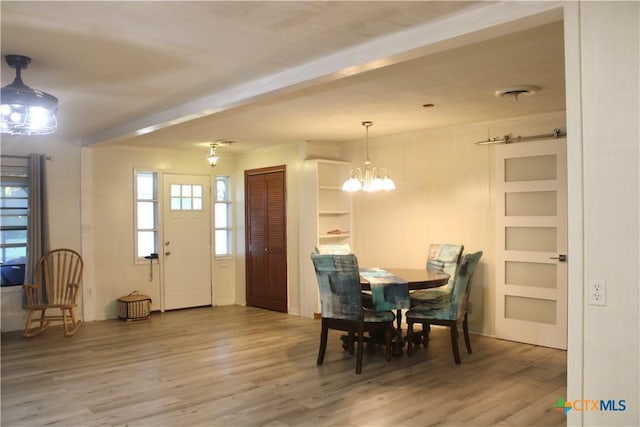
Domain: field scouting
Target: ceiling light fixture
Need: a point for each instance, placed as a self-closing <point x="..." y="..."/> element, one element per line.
<point x="26" y="111"/>
<point x="517" y="91"/>
<point x="213" y="159"/>
<point x="372" y="178"/>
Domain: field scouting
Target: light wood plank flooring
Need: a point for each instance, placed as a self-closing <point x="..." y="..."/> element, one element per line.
<point x="242" y="366"/>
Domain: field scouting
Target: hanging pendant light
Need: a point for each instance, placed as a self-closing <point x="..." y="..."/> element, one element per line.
<point x="213" y="159"/>
<point x="373" y="178"/>
<point x="26" y="111"/>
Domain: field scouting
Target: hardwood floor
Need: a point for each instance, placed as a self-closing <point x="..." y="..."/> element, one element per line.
<point x="242" y="366"/>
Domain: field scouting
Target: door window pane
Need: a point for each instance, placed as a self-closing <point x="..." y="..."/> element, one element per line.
<point x="186" y="197"/>
<point x="530" y="309"/>
<point x="534" y="274"/>
<point x="533" y="239"/>
<point x="531" y="203"/>
<point x="531" y="168"/>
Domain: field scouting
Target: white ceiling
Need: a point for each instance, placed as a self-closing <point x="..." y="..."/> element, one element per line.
<point x="277" y="72"/>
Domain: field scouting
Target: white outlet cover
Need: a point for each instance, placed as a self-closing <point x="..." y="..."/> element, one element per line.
<point x="598" y="292"/>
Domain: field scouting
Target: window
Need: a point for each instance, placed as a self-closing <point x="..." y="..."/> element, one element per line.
<point x="223" y="216"/>
<point x="14" y="211"/>
<point x="185" y="197"/>
<point x="146" y="214"/>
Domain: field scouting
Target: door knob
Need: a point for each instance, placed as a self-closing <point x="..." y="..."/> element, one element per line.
<point x="561" y="258"/>
<point x="168" y="253"/>
<point x="166" y="243"/>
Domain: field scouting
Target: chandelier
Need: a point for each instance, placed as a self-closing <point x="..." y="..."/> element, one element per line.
<point x="370" y="178"/>
<point x="26" y="111"/>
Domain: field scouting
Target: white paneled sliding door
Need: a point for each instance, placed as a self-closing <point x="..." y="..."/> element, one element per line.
<point x="531" y="249"/>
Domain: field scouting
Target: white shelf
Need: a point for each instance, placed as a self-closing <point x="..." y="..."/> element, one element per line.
<point x="334" y="236"/>
<point x="323" y="207"/>
<point x="334" y="213"/>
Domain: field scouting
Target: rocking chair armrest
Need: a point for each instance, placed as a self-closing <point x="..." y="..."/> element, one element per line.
<point x="74" y="291"/>
<point x="31" y="293"/>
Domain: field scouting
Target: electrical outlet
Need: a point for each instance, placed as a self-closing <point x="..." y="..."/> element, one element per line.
<point x="598" y="292"/>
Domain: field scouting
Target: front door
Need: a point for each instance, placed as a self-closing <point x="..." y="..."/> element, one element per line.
<point x="186" y="249"/>
<point x="266" y="238"/>
<point x="531" y="269"/>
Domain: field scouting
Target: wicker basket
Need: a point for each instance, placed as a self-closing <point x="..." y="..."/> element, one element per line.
<point x="134" y="306"/>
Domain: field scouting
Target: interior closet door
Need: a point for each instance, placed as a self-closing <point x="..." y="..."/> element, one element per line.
<point x="531" y="248"/>
<point x="266" y="262"/>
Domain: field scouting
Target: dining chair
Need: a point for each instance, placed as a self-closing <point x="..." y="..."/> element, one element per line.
<point x="55" y="287"/>
<point x="447" y="314"/>
<point x="341" y="305"/>
<point x="442" y="257"/>
<point x="333" y="249"/>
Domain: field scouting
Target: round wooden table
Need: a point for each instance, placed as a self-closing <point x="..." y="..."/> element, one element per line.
<point x="416" y="278"/>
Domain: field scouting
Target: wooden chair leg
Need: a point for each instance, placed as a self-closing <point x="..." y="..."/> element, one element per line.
<point x="426" y="328"/>
<point x="351" y="339"/>
<point x="323" y="342"/>
<point x="465" y="330"/>
<point x="409" y="338"/>
<point x="387" y="341"/>
<point x="360" y="348"/>
<point x="454" y="342"/>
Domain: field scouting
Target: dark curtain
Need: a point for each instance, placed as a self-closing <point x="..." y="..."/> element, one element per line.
<point x="38" y="231"/>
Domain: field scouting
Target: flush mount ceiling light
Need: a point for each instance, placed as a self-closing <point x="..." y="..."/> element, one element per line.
<point x="371" y="178"/>
<point x="26" y="111"/>
<point x="517" y="91"/>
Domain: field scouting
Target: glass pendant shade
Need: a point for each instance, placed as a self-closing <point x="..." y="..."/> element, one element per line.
<point x="373" y="178"/>
<point x="26" y="111"/>
<point x="213" y="159"/>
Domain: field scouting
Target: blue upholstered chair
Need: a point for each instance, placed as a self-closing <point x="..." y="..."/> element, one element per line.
<point x="449" y="313"/>
<point x="443" y="257"/>
<point x="341" y="304"/>
<point x="333" y="249"/>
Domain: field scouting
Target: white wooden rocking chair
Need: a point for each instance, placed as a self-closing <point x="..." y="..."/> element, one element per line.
<point x="56" y="284"/>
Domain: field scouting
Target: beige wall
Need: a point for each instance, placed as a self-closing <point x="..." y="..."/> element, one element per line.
<point x="63" y="186"/>
<point x="108" y="223"/>
<point x="291" y="156"/>
<point x="444" y="195"/>
<point x="608" y="118"/>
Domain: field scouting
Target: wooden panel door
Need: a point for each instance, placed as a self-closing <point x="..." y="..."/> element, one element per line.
<point x="266" y="263"/>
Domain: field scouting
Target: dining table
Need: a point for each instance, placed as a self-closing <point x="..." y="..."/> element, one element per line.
<point x="390" y="287"/>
